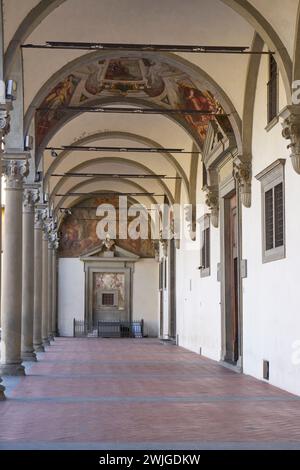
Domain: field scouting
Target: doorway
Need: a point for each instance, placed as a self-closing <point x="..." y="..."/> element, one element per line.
<point x="232" y="324"/>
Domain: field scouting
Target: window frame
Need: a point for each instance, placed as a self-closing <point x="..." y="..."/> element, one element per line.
<point x="269" y="178"/>
<point x="205" y="270"/>
<point x="270" y="117"/>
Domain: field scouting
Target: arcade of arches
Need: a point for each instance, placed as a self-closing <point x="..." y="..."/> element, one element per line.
<point x="150" y="184"/>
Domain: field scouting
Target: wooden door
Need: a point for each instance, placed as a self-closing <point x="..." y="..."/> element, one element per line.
<point x="231" y="280"/>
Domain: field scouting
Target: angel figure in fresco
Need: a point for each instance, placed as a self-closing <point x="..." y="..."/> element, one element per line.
<point x="61" y="94"/>
<point x="192" y="98"/>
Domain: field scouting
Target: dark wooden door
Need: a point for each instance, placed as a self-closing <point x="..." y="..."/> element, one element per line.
<point x="231" y="279"/>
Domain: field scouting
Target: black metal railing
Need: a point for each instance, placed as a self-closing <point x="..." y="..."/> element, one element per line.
<point x="108" y="329"/>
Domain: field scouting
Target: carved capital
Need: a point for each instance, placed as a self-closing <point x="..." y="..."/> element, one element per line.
<point x="164" y="242"/>
<point x="30" y="197"/>
<point x="155" y="244"/>
<point x="291" y="131"/>
<point x="38" y="221"/>
<point x="190" y="218"/>
<point x="242" y="171"/>
<point x="4" y="120"/>
<point x="15" y="171"/>
<point x="212" y="201"/>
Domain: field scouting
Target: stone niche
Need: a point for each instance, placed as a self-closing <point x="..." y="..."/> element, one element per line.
<point x="108" y="283"/>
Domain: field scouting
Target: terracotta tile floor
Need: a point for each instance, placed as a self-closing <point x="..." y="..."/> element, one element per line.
<point x="129" y="393"/>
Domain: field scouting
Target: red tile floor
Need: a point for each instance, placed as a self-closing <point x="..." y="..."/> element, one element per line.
<point x="141" y="393"/>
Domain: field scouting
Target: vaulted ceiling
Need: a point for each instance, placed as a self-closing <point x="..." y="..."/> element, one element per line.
<point x="63" y="78"/>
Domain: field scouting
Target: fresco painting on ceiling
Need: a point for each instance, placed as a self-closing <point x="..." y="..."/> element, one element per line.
<point x="78" y="231"/>
<point x="160" y="83"/>
<point x="60" y="96"/>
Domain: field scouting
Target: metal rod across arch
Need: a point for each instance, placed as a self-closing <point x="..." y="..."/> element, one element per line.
<point x="102" y="46"/>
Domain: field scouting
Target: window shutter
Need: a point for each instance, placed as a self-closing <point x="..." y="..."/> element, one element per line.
<point x="272" y="89"/>
<point x="207" y="248"/>
<point x="279" y="215"/>
<point x="269" y="219"/>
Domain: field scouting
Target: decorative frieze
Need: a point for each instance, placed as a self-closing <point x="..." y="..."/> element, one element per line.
<point x="291" y="131"/>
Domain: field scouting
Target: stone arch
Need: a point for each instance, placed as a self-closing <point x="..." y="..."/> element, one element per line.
<point x="26" y="27"/>
<point x="82" y="165"/>
<point x="95" y="180"/>
<point x="269" y="35"/>
<point x="121" y="135"/>
<point x="242" y="7"/>
<point x="115" y="101"/>
<point x="296" y="70"/>
<point x="249" y="97"/>
<point x="171" y="59"/>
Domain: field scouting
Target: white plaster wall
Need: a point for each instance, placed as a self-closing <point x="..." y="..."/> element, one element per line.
<point x="145" y="285"/>
<point x="70" y="294"/>
<point x="198" y="299"/>
<point x="271" y="292"/>
<point x="71" y="287"/>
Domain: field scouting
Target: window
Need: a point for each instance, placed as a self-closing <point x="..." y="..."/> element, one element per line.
<point x="107" y="299"/>
<point x="160" y="275"/>
<point x="272" y="89"/>
<point x="205" y="246"/>
<point x="204" y="175"/>
<point x="273" y="217"/>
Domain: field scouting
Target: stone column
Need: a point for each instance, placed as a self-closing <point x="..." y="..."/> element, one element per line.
<point x="27" y="349"/>
<point x="45" y="321"/>
<point x="38" y="272"/>
<point x="14" y="169"/>
<point x="50" y="266"/>
<point x="4" y="129"/>
<point x="54" y="290"/>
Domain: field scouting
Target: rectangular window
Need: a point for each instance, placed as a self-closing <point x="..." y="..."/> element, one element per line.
<point x="160" y="275"/>
<point x="274" y="221"/>
<point x="205" y="246"/>
<point x="272" y="89"/>
<point x="273" y="218"/>
<point x="108" y="299"/>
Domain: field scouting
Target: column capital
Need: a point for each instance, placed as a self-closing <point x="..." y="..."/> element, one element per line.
<point x="291" y="131"/>
<point x="212" y="201"/>
<point x="31" y="196"/>
<point x="242" y="172"/>
<point x="15" y="168"/>
<point x="5" y="108"/>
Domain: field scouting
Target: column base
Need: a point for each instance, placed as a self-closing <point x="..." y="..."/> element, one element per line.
<point x="46" y="342"/>
<point x="39" y="348"/>
<point x="29" y="356"/>
<point x="12" y="369"/>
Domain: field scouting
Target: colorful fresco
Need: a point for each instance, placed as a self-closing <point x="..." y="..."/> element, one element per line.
<point x="159" y="82"/>
<point x="78" y="231"/>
